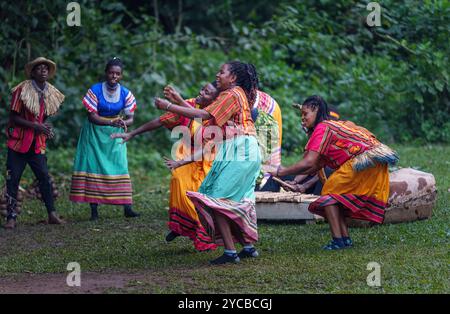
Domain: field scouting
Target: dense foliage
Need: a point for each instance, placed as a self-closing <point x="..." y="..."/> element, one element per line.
<point x="392" y="79"/>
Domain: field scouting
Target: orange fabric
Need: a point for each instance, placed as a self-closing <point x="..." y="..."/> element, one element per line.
<point x="231" y="109"/>
<point x="224" y="107"/>
<point x="372" y="182"/>
<point x="171" y="120"/>
<point x="187" y="178"/>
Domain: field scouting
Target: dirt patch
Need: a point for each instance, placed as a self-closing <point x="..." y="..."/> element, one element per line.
<point x="90" y="283"/>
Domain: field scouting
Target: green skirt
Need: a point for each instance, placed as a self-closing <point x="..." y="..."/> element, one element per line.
<point x="100" y="171"/>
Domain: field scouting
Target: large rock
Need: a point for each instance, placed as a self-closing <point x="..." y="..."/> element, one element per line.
<point x="412" y="196"/>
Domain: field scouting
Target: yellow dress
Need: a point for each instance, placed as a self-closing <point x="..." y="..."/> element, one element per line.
<point x="183" y="218"/>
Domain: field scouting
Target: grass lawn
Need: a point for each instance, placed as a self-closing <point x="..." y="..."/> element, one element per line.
<point x="414" y="257"/>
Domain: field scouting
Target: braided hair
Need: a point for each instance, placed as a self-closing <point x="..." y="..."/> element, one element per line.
<point x="246" y="78"/>
<point x="114" y="62"/>
<point x="254" y="75"/>
<point x="323" y="113"/>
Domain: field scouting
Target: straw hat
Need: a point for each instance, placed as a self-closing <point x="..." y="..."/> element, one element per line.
<point x="51" y="66"/>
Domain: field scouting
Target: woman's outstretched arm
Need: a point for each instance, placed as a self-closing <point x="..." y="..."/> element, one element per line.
<point x="147" y="127"/>
<point x="187" y="112"/>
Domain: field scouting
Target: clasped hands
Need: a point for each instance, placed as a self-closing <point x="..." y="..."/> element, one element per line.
<point x="46" y="129"/>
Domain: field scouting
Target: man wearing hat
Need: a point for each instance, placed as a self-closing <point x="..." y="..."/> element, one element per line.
<point x="33" y="101"/>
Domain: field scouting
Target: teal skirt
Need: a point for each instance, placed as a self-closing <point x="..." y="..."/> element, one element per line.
<point x="100" y="171"/>
<point x="229" y="188"/>
<point x="234" y="170"/>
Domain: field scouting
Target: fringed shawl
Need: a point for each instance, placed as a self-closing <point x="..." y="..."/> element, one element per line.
<point x="339" y="141"/>
<point x="53" y="98"/>
<point x="381" y="154"/>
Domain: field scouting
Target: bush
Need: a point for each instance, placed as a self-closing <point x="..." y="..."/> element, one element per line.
<point x="391" y="79"/>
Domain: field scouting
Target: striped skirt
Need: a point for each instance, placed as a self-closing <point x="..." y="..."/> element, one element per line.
<point x="362" y="194"/>
<point x="228" y="189"/>
<point x="100" y="172"/>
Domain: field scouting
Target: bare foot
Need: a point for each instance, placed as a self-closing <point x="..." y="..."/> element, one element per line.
<point x="10" y="224"/>
<point x="53" y="219"/>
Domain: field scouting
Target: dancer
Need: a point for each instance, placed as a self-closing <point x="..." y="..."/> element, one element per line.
<point x="226" y="199"/>
<point x="359" y="187"/>
<point x="187" y="173"/>
<point x="100" y="173"/>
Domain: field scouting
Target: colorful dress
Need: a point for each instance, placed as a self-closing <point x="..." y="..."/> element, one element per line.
<point x="266" y="104"/>
<point x="360" y="183"/>
<point x="183" y="218"/>
<point x="228" y="189"/>
<point x="100" y="172"/>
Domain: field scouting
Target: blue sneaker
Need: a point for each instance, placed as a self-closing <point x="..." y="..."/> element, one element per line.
<point x="348" y="242"/>
<point x="225" y="259"/>
<point x="248" y="253"/>
<point x="334" y="245"/>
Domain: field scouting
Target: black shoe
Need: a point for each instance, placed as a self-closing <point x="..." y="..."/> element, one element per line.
<point x="94" y="212"/>
<point x="248" y="253"/>
<point x="129" y="213"/>
<point x="224" y="259"/>
<point x="171" y="236"/>
<point x="334" y="245"/>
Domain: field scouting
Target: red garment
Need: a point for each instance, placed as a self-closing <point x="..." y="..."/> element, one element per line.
<point x="338" y="141"/>
<point x="20" y="138"/>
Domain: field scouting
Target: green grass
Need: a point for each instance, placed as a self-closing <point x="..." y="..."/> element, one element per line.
<point x="414" y="257"/>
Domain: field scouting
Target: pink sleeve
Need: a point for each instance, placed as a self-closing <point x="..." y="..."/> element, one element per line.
<point x="320" y="140"/>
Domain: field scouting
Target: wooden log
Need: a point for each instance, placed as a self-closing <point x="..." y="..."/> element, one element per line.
<point x="289" y="206"/>
<point x="283" y="211"/>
